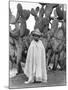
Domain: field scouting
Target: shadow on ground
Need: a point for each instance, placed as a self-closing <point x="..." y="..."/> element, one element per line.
<point x="55" y="78"/>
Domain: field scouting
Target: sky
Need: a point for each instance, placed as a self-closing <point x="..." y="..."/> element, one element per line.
<point x="30" y="22"/>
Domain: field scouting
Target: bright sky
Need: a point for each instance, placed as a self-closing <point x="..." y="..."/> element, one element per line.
<point x="30" y="22"/>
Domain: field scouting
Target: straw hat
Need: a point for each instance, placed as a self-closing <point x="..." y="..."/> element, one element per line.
<point x="36" y="32"/>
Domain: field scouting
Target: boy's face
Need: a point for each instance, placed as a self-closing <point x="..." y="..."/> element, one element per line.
<point x="36" y="37"/>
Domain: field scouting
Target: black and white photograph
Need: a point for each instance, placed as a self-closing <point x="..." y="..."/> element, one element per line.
<point x="37" y="44"/>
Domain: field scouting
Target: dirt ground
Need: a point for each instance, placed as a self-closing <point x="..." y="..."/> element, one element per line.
<point x="55" y="78"/>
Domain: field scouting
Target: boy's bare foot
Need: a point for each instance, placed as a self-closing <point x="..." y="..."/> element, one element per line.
<point x="29" y="81"/>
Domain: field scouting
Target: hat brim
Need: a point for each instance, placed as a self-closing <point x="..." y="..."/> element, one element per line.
<point x="36" y="33"/>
